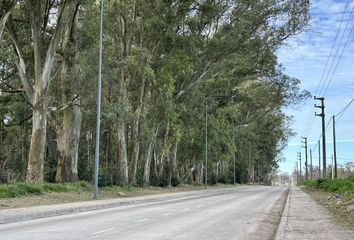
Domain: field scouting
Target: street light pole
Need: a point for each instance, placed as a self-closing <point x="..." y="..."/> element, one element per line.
<point x="206" y="143"/>
<point x="233" y="136"/>
<point x="98" y="118"/>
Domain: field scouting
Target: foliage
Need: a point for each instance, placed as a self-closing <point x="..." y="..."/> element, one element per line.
<point x="163" y="60"/>
<point x="332" y="185"/>
<point x="20" y="189"/>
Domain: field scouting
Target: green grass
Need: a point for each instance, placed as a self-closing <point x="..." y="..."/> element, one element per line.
<point x="332" y="185"/>
<point x="21" y="189"/>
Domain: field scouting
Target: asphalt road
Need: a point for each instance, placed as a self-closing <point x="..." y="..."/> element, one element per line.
<point x="234" y="213"/>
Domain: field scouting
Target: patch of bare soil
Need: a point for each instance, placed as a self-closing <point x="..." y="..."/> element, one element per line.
<point x="341" y="206"/>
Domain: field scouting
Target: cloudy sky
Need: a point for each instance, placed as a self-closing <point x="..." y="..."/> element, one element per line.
<point x="323" y="59"/>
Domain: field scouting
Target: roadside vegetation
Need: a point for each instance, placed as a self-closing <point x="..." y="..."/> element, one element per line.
<point x="345" y="185"/>
<point x="20" y="189"/>
<point x="337" y="195"/>
<point x="164" y="61"/>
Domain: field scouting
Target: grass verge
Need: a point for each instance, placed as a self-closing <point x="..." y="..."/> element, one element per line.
<point x="332" y="185"/>
<point x="20" y="189"/>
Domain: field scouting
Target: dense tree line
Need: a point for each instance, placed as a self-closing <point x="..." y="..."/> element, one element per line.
<point x="164" y="60"/>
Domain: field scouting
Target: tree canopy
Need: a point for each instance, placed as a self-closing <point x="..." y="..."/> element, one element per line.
<point x="164" y="60"/>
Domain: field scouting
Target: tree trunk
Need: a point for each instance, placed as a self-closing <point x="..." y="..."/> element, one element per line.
<point x="135" y="135"/>
<point x="136" y="148"/>
<point x="164" y="150"/>
<point x="122" y="154"/>
<point x="68" y="145"/>
<point x="43" y="62"/>
<point x="173" y="165"/>
<point x="68" y="133"/>
<point x="146" y="177"/>
<point x="38" y="140"/>
<point x="197" y="174"/>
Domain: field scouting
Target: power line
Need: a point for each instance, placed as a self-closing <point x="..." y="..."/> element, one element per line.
<point x="311" y="117"/>
<point x="340" y="114"/>
<point x="328" y="124"/>
<point x="333" y="45"/>
<point x="340" y="57"/>
<point x="337" y="51"/>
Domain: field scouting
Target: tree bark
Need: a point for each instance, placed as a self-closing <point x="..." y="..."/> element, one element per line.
<point x="164" y="151"/>
<point x="135" y="135"/>
<point x="38" y="140"/>
<point x="146" y="177"/>
<point x="3" y="22"/>
<point x="68" y="133"/>
<point x="68" y="144"/>
<point x="199" y="174"/>
<point x="173" y="165"/>
<point x="122" y="154"/>
<point x="42" y="74"/>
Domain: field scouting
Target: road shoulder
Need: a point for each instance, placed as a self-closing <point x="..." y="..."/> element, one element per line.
<point x="21" y="214"/>
<point x="303" y="218"/>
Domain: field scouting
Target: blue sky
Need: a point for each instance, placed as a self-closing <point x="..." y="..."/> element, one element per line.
<point x="305" y="58"/>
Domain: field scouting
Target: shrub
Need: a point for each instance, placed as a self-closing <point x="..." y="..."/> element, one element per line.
<point x="332" y="185"/>
<point x="20" y="189"/>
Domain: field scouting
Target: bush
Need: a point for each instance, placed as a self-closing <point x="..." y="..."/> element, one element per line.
<point x="332" y="185"/>
<point x="108" y="177"/>
<point x="175" y="181"/>
<point x="20" y="189"/>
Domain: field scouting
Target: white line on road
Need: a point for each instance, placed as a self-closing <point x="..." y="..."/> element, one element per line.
<point x="103" y="231"/>
<point x="143" y="220"/>
<point x="166" y="214"/>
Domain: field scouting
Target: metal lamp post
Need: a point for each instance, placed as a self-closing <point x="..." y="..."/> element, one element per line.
<point x="206" y="144"/>
<point x="98" y="119"/>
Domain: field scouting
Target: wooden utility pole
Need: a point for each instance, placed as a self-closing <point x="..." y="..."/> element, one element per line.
<point x="297" y="173"/>
<point x="306" y="165"/>
<point x="332" y="168"/>
<point x="311" y="168"/>
<point x="322" y="115"/>
<point x="299" y="160"/>
<point x="334" y="147"/>
<point x="319" y="159"/>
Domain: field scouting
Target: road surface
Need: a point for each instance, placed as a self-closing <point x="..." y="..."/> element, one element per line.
<point x="234" y="213"/>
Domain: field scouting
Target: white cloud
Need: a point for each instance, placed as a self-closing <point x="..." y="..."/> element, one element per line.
<point x="306" y="60"/>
